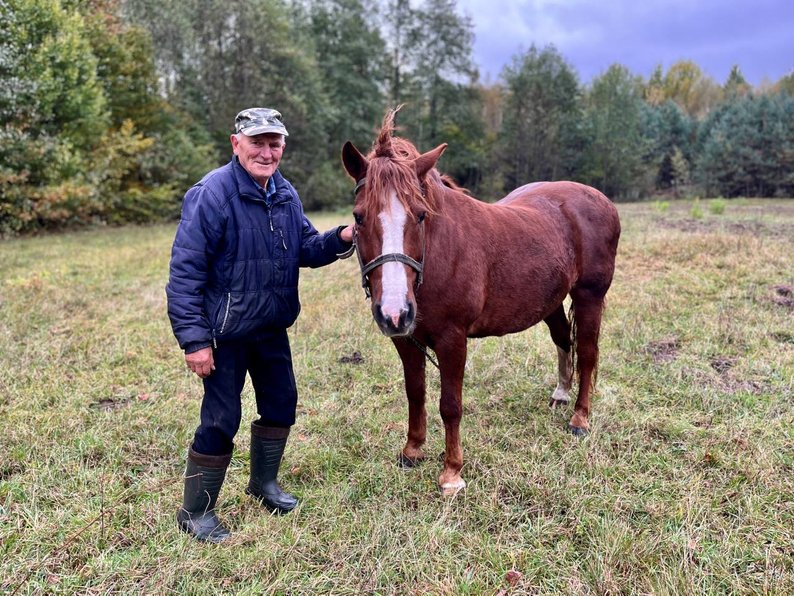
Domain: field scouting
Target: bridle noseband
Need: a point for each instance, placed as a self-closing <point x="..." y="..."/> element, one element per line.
<point x="393" y="257"/>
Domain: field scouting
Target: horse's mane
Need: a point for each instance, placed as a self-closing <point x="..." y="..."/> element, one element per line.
<point x="391" y="167"/>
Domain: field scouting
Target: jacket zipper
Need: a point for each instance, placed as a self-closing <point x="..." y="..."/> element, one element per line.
<point x="280" y="233"/>
<point x="226" y="313"/>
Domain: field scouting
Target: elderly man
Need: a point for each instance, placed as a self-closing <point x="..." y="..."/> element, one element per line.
<point x="232" y="294"/>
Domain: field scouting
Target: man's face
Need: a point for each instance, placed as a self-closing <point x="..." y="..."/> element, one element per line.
<point x="259" y="154"/>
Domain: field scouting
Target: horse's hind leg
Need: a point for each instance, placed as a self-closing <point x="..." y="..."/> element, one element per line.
<point x="560" y="330"/>
<point x="588" y="308"/>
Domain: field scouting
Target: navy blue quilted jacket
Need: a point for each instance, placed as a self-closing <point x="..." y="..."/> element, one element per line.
<point x="235" y="260"/>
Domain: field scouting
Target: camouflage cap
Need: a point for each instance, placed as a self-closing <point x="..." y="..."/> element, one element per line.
<point x="257" y="121"/>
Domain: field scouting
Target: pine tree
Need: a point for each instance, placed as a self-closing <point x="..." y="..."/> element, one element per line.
<point x="679" y="170"/>
<point x="747" y="147"/>
<point x="736" y="85"/>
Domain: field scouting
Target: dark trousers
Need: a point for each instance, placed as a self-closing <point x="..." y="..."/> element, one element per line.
<point x="267" y="358"/>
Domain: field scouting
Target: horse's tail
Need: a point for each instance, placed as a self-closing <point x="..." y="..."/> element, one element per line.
<point x="574" y="359"/>
<point x="572" y="325"/>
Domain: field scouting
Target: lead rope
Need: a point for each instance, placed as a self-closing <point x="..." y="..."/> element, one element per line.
<point x="424" y="351"/>
<point x="415" y="341"/>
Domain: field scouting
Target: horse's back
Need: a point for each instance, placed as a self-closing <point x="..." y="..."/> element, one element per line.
<point x="520" y="192"/>
<point x="594" y="224"/>
<point x="561" y="192"/>
<point x="583" y="205"/>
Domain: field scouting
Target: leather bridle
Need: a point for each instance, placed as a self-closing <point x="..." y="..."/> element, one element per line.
<point x="393" y="257"/>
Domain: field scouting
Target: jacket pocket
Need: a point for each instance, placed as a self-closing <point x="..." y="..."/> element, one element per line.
<point x="222" y="318"/>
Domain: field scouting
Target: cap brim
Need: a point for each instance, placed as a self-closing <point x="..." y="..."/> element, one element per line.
<point x="265" y="129"/>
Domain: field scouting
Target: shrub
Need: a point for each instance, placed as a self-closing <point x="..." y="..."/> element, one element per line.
<point x="717" y="206"/>
<point x="696" y="211"/>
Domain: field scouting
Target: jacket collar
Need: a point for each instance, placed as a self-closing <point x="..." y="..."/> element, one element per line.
<point x="250" y="189"/>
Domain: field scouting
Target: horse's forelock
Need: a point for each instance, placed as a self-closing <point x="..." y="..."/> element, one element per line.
<point x="391" y="167"/>
<point x="386" y="175"/>
<point x="383" y="144"/>
<point x="389" y="174"/>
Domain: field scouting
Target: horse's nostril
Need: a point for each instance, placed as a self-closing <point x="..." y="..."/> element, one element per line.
<point x="394" y="323"/>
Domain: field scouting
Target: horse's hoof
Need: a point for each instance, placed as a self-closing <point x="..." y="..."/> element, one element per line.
<point x="450" y="489"/>
<point x="578" y="432"/>
<point x="407" y="463"/>
<point x="559" y="398"/>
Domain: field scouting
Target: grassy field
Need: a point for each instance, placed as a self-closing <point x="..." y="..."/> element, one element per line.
<point x="686" y="484"/>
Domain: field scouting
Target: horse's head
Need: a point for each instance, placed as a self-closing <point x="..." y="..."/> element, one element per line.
<point x="390" y="212"/>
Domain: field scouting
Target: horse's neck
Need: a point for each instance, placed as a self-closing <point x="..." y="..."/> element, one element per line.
<point x="459" y="219"/>
<point x="457" y="206"/>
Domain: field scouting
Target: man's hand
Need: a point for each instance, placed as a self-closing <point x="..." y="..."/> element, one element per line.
<point x="347" y="234"/>
<point x="201" y="362"/>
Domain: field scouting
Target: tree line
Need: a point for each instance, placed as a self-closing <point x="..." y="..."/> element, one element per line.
<point x="111" y="109"/>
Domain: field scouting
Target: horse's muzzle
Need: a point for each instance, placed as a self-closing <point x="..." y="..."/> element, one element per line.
<point x="404" y="325"/>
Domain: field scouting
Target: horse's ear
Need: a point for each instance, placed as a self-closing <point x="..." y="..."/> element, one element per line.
<point x="355" y="163"/>
<point x="425" y="162"/>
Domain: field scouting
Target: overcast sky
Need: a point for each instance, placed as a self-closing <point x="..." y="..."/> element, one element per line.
<point x="758" y="35"/>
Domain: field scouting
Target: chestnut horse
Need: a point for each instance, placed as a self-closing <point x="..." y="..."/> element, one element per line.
<point x="441" y="266"/>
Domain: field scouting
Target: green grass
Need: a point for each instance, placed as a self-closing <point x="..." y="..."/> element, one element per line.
<point x="686" y="484"/>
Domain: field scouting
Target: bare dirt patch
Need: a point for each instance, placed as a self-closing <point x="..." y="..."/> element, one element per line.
<point x="722" y="364"/>
<point x="10" y="469"/>
<point x="783" y="296"/>
<point x="730" y="385"/>
<point x="727" y="382"/>
<point x="109" y="403"/>
<point x="664" y="350"/>
<point x="354" y="358"/>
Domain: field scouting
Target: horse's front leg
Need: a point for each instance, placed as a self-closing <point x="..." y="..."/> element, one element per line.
<point x="452" y="360"/>
<point x="414" y="372"/>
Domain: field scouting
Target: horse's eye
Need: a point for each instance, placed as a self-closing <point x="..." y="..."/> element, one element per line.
<point x="359" y="219"/>
<point x="421" y="216"/>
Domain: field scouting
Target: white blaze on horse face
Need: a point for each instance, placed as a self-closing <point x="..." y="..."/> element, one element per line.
<point x="394" y="280"/>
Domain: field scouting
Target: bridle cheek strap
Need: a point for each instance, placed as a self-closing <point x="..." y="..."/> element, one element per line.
<point x="394" y="257"/>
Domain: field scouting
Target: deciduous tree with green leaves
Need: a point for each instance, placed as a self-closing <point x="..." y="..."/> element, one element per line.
<point x="51" y="116"/>
<point x="86" y="137"/>
<point x="615" y="143"/>
<point x="443" y="42"/>
<point x="351" y="58"/>
<point x="541" y="117"/>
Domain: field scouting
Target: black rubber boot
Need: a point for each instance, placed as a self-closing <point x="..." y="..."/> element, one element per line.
<point x="267" y="449"/>
<point x="204" y="477"/>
